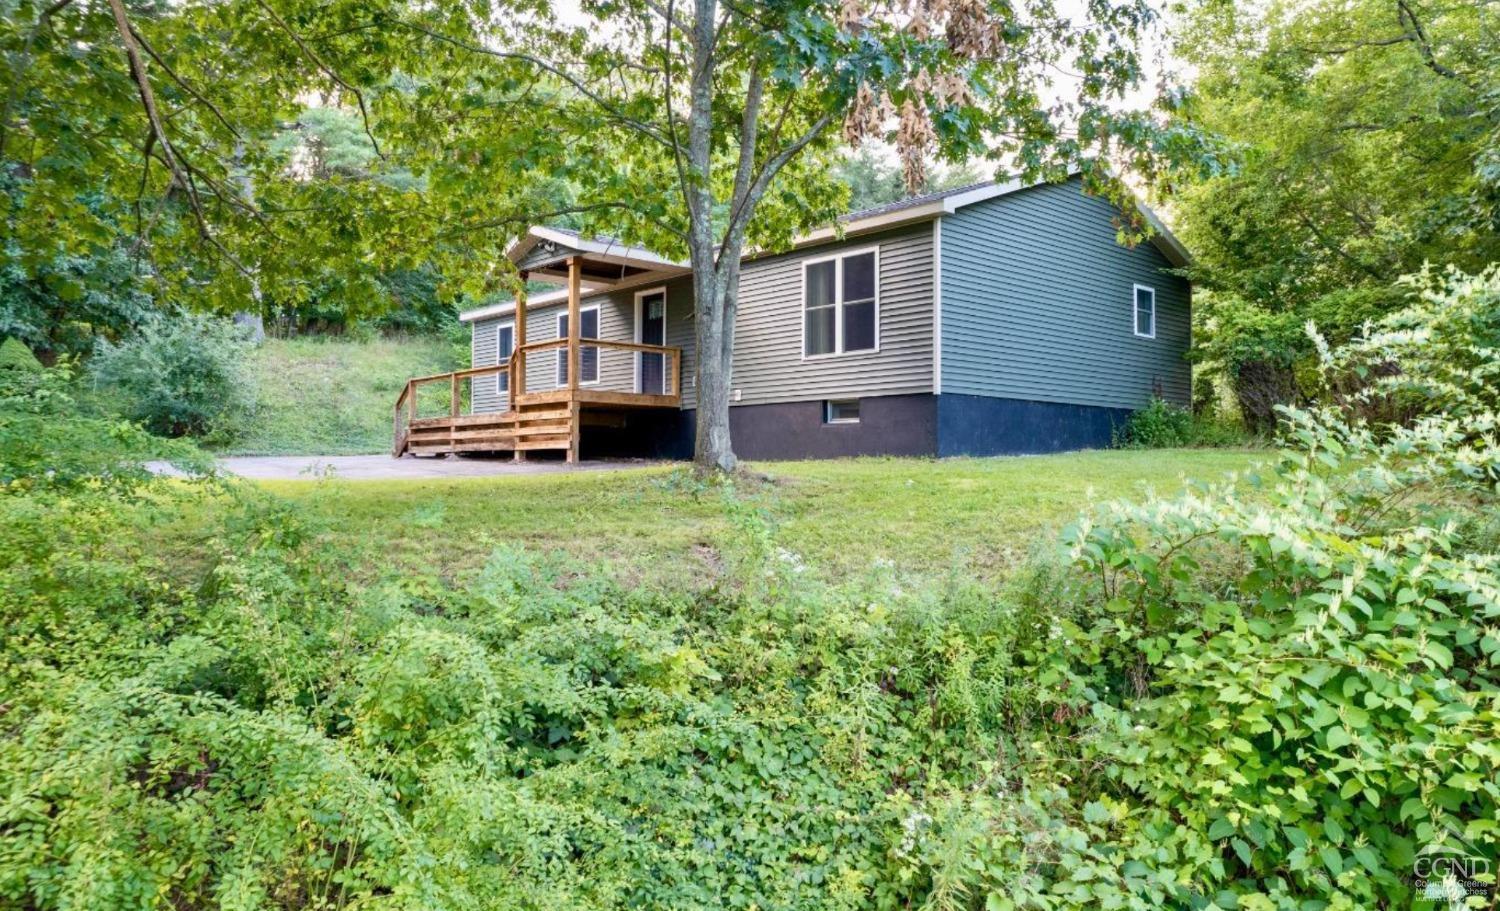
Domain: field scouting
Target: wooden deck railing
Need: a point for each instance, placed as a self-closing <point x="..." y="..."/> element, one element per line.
<point x="515" y="369"/>
<point x="671" y="366"/>
<point x="406" y="401"/>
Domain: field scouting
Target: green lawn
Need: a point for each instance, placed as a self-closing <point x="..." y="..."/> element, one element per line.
<point x="322" y="396"/>
<point x="980" y="516"/>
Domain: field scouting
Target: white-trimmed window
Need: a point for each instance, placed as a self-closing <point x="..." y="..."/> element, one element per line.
<point x="505" y="345"/>
<point x="841" y="411"/>
<point x="588" y="355"/>
<point x="1145" y="311"/>
<point x="841" y="303"/>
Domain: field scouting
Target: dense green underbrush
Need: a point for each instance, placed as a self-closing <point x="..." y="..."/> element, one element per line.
<point x="1276" y="691"/>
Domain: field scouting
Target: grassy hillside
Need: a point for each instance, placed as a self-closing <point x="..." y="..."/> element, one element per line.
<point x="320" y="396"/>
<point x="976" y="517"/>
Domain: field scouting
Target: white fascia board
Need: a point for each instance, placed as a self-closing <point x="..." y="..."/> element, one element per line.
<point x="1164" y="240"/>
<point x="910" y="215"/>
<point x="559" y="295"/>
<point x="957" y="201"/>
<point x="509" y="306"/>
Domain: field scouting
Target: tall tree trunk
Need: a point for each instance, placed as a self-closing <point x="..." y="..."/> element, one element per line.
<point x="252" y="321"/>
<point x="712" y="449"/>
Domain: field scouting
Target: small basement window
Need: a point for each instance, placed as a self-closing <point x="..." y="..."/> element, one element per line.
<point x="841" y="411"/>
<point x="1145" y="311"/>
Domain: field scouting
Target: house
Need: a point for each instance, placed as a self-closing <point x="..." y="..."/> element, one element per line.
<point x="990" y="319"/>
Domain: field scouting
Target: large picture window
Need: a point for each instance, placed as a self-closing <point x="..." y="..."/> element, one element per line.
<point x="588" y="355"/>
<point x="841" y="304"/>
<point x="1145" y="311"/>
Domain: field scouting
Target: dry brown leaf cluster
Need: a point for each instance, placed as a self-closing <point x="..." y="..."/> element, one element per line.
<point x="971" y="32"/>
<point x="867" y="116"/>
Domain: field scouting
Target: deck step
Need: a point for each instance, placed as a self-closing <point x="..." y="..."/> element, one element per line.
<point x="470" y="446"/>
<point x="483" y="436"/>
<point x="550" y="427"/>
<point x="541" y="414"/>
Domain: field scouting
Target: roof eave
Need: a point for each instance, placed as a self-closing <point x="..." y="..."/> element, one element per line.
<point x="911" y="215"/>
<point x="1164" y="240"/>
<point x="896" y="219"/>
<point x="612" y="251"/>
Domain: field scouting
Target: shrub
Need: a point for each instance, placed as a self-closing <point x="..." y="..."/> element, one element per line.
<point x="1291" y="674"/>
<point x="1162" y="425"/>
<point x="52" y="445"/>
<point x="1284" y="687"/>
<point x="1265" y="356"/>
<point x="1277" y="691"/>
<point x="269" y="735"/>
<point x="178" y="376"/>
<point x="1440" y="355"/>
<point x="1159" y="425"/>
<point x="14" y="355"/>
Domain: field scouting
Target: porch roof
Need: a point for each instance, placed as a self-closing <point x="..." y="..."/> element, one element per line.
<point x="544" y="253"/>
<point x="605" y="264"/>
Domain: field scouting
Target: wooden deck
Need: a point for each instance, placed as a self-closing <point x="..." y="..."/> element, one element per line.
<point x="550" y="419"/>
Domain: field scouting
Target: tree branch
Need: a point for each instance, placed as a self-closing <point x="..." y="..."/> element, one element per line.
<point x="148" y="102"/>
<point x="1424" y="47"/>
<point x="311" y="55"/>
<point x="530" y="217"/>
<point x="603" y="103"/>
<point x="666" y="91"/>
<point x="183" y="84"/>
<point x="1357" y="45"/>
<point x="749" y="137"/>
<point x="697" y="189"/>
<point x="768" y="172"/>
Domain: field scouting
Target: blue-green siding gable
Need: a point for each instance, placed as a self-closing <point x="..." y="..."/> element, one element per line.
<point x="1037" y="304"/>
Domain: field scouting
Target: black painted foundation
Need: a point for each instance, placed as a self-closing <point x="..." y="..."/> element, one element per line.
<point x="977" y="425"/>
<point x="894" y="425"/>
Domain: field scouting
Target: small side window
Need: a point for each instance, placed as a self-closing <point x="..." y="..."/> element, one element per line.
<point x="841" y="411"/>
<point x="1145" y="311"/>
<point x="505" y="344"/>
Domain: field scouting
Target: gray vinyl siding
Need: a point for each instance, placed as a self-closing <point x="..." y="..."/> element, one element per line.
<point x="483" y="350"/>
<point x="541" y="326"/>
<point x="768" y="362"/>
<point x="1038" y="305"/>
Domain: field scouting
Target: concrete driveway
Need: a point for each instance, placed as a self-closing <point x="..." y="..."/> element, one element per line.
<point x="383" y="467"/>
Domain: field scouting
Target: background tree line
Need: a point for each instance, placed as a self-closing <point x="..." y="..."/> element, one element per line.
<point x="1365" y="141"/>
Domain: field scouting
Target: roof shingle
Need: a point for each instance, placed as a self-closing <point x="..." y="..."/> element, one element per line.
<point x="914" y="201"/>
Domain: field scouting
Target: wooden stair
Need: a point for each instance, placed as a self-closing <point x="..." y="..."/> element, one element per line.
<point x="528" y="427"/>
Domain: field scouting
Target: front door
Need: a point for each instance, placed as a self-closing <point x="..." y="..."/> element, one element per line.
<point x="651" y="329"/>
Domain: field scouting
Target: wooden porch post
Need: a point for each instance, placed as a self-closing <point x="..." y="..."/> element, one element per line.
<point x="575" y="274"/>
<point x="517" y="382"/>
<point x="575" y="277"/>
